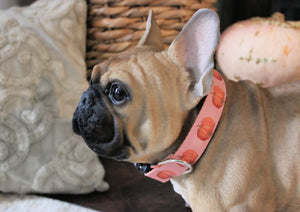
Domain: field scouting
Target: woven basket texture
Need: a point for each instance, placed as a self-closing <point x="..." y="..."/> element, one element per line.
<point x="117" y="25"/>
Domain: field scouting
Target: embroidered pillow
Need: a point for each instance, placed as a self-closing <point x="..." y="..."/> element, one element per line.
<point x="42" y="76"/>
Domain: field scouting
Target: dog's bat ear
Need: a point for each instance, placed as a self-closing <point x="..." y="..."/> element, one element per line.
<point x="194" y="48"/>
<point x="152" y="36"/>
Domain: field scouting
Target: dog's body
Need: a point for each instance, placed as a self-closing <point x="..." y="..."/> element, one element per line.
<point x="252" y="162"/>
<point x="142" y="103"/>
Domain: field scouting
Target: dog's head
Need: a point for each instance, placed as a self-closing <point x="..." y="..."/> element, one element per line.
<point x="138" y="100"/>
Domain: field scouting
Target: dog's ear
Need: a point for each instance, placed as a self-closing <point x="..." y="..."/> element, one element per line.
<point x="193" y="49"/>
<point x="152" y="36"/>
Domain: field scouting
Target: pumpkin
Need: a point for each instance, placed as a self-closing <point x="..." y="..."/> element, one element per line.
<point x="218" y="96"/>
<point x="205" y="129"/>
<point x="189" y="156"/>
<point x="263" y="50"/>
<point x="165" y="174"/>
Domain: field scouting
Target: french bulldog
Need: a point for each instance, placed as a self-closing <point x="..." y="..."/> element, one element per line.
<point x="141" y="105"/>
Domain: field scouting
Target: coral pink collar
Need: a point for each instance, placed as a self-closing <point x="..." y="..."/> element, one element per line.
<point x="197" y="139"/>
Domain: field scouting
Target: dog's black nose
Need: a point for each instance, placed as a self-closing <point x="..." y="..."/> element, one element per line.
<point x="92" y="119"/>
<point x="89" y="97"/>
<point x="87" y="100"/>
<point x="75" y="125"/>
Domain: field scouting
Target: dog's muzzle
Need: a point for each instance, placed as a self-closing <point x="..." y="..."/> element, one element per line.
<point x="94" y="122"/>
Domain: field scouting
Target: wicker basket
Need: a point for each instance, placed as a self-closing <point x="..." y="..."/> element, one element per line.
<point x="116" y="25"/>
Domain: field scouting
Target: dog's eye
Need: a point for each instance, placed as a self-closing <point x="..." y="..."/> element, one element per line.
<point x="118" y="93"/>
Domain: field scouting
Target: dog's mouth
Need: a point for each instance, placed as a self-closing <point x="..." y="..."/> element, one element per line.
<point x="121" y="153"/>
<point x="118" y="148"/>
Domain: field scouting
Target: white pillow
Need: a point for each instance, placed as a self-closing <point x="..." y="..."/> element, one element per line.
<point x="33" y="203"/>
<point x="42" y="76"/>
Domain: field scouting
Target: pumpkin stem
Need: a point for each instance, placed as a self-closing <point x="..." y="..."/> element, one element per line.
<point x="278" y="17"/>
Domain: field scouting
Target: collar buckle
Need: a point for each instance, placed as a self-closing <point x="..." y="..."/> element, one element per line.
<point x="181" y="162"/>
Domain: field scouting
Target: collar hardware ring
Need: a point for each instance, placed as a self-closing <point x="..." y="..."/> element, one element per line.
<point x="189" y="166"/>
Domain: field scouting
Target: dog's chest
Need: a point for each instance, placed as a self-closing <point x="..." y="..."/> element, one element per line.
<point x="178" y="188"/>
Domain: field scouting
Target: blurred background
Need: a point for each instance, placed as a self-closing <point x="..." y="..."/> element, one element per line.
<point x="230" y="11"/>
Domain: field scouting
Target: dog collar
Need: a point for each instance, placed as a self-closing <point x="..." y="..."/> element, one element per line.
<point x="195" y="143"/>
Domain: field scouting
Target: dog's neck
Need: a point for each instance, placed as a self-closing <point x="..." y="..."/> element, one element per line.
<point x="201" y="121"/>
<point x="187" y="125"/>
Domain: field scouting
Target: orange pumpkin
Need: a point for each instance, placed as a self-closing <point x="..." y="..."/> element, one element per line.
<point x="218" y="96"/>
<point x="206" y="128"/>
<point x="165" y="174"/>
<point x="189" y="156"/>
